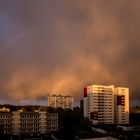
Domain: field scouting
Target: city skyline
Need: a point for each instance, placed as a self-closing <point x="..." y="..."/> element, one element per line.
<point x="61" y="47"/>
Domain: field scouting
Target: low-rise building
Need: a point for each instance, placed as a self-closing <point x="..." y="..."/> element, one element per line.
<point x="52" y="122"/>
<point x="6" y="122"/>
<point x="18" y="122"/>
<point x="4" y="109"/>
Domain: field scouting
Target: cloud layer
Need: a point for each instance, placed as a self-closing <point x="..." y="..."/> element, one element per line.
<point x="59" y="47"/>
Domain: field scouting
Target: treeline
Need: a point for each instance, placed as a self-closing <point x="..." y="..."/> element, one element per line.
<point x="24" y="108"/>
<point x="72" y="125"/>
<point x="135" y="115"/>
<point x="135" y="109"/>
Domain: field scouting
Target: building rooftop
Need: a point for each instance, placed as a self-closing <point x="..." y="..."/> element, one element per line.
<point x="102" y="138"/>
<point x="4" y="109"/>
<point x="60" y="95"/>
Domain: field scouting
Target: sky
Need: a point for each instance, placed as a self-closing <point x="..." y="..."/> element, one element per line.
<point x="59" y="47"/>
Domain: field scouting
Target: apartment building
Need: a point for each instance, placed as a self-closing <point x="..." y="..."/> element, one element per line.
<point x="106" y="104"/>
<point x="51" y="122"/>
<point x="99" y="104"/>
<point x="28" y="122"/>
<point x="59" y="101"/>
<point x="6" y="122"/>
<point x="121" y="99"/>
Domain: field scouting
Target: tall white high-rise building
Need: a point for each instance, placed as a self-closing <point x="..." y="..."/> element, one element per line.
<point x="99" y="104"/>
<point x="106" y="104"/>
<point x="121" y="100"/>
<point x="59" y="101"/>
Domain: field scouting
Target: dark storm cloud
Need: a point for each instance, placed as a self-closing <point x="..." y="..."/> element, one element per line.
<point x="62" y="46"/>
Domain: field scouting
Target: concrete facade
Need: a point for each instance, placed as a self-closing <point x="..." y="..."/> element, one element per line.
<point x="106" y="104"/>
<point x="59" y="101"/>
<point x="17" y="123"/>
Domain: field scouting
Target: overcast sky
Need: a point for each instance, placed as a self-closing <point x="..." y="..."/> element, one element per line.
<point x="61" y="46"/>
